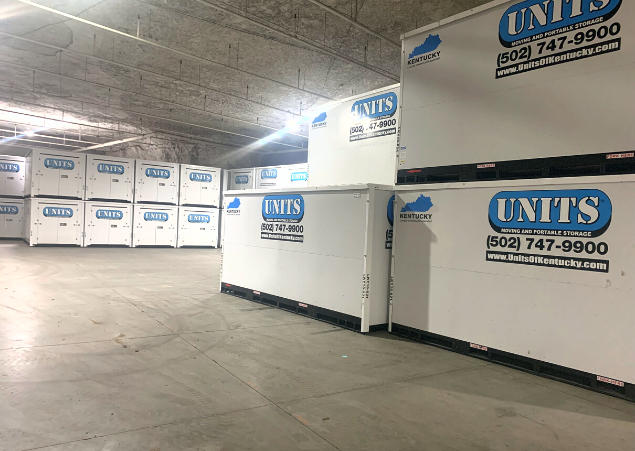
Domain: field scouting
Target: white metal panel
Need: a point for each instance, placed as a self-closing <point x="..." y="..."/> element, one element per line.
<point x="12" y="174"/>
<point x="200" y="185"/>
<point x="55" y="221"/>
<point x="242" y="179"/>
<point x="470" y="96"/>
<point x="270" y="177"/>
<point x="11" y="218"/>
<point x="156" y="181"/>
<point x="296" y="175"/>
<point x="528" y="287"/>
<point x="355" y="140"/>
<point x="110" y="178"/>
<point x="108" y="223"/>
<point x="56" y="174"/>
<point x="319" y="260"/>
<point x="198" y="226"/>
<point x="154" y="225"/>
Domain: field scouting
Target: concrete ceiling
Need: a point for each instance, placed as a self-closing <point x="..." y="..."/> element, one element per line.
<point x="222" y="79"/>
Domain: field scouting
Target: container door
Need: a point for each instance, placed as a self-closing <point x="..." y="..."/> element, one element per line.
<point x="48" y="181"/>
<point x="71" y="181"/>
<point x="166" y="188"/>
<point x="11" y="178"/>
<point x="13" y="223"/>
<point x="120" y="183"/>
<point x="148" y="186"/>
<point x="45" y="228"/>
<point x="96" y="227"/>
<point x="163" y="231"/>
<point x="69" y="229"/>
<point x="119" y="230"/>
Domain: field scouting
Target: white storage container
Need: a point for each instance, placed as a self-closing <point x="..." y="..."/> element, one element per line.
<point x="12" y="174"/>
<point x="355" y="140"/>
<point x="241" y="179"/>
<point x="542" y="269"/>
<point x="323" y="252"/>
<point x="226" y="182"/>
<point x="154" y="225"/>
<point x="296" y="175"/>
<point x="200" y="186"/>
<point x="11" y="217"/>
<point x="109" y="178"/>
<point x="53" y="221"/>
<point x="198" y="227"/>
<point x="156" y="182"/>
<point x="270" y="177"/>
<point x="107" y="223"/>
<point x="55" y="174"/>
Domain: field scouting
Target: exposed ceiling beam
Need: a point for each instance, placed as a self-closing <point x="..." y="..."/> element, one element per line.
<point x="169" y="49"/>
<point x="321" y="49"/>
<point x="354" y="22"/>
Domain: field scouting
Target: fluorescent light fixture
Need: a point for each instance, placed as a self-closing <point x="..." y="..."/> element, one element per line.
<point x="292" y="126"/>
<point x="29" y="133"/>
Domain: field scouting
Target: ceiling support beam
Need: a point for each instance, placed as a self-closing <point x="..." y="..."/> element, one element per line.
<point x="169" y="49"/>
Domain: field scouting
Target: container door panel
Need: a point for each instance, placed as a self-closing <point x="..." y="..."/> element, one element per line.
<point x="45" y="229"/>
<point x="48" y="181"/>
<point x="13" y="224"/>
<point x="70" y="181"/>
<point x="163" y="234"/>
<point x="119" y="186"/>
<point x="69" y="230"/>
<point x="165" y="189"/>
<point x="119" y="232"/>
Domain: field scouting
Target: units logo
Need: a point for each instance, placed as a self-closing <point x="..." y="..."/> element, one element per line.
<point x="197" y="218"/>
<point x="426" y="52"/>
<point x="299" y="176"/>
<point x="109" y="214"/>
<point x="269" y="174"/>
<point x="390" y="212"/>
<point x="233" y="208"/>
<point x="9" y="167"/>
<point x="376" y="107"/>
<point x="536" y="19"/>
<point x="8" y="209"/>
<point x="200" y="177"/>
<point x="283" y="208"/>
<point x="417" y="210"/>
<point x="57" y="212"/>
<point x="319" y="121"/>
<point x="110" y="168"/>
<point x="241" y="179"/>
<point x="58" y="163"/>
<point x="581" y="212"/>
<point x="157" y="173"/>
<point x="155" y="216"/>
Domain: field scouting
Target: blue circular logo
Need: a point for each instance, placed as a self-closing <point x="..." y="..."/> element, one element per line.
<point x="391" y="210"/>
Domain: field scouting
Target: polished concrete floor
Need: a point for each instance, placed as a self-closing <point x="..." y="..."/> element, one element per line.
<point x="136" y="350"/>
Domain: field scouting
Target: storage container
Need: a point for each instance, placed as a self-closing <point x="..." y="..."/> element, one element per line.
<point x="12" y="175"/>
<point x="270" y="177"/>
<point x="53" y="221"/>
<point x="200" y="186"/>
<point x="154" y="225"/>
<point x="110" y="178"/>
<point x="355" y="140"/>
<point x="107" y="223"/>
<point x="324" y="253"/>
<point x="198" y="227"/>
<point x="537" y="274"/>
<point x="11" y="217"/>
<point x="242" y="179"/>
<point x="297" y="175"/>
<point x="55" y="174"/>
<point x="156" y="182"/>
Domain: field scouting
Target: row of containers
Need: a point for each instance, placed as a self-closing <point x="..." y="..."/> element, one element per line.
<point x="494" y="211"/>
<point x="42" y="221"/>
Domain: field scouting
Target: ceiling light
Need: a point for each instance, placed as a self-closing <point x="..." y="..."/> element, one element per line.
<point x="292" y="126"/>
<point x="29" y="133"/>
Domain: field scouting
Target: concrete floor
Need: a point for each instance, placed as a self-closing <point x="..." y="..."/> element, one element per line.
<point x="136" y="350"/>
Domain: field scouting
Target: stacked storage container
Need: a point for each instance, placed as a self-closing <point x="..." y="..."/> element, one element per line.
<point x="54" y="187"/>
<point x="12" y="171"/>
<point x="199" y="202"/>
<point x="109" y="197"/>
<point x="155" y="183"/>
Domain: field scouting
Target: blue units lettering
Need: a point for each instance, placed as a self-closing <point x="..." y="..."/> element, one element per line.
<point x="200" y="177"/>
<point x="283" y="208"/>
<point x="537" y="19"/>
<point x="155" y="216"/>
<point x="197" y="218"/>
<point x="58" y="212"/>
<point x="109" y="214"/>
<point x="269" y="174"/>
<point x="8" y="210"/>
<point x="58" y="163"/>
<point x="157" y="173"/>
<point x="382" y="105"/>
<point x="241" y="179"/>
<point x="9" y="167"/>
<point x="110" y="168"/>
<point x="581" y="212"/>
<point x="299" y="176"/>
